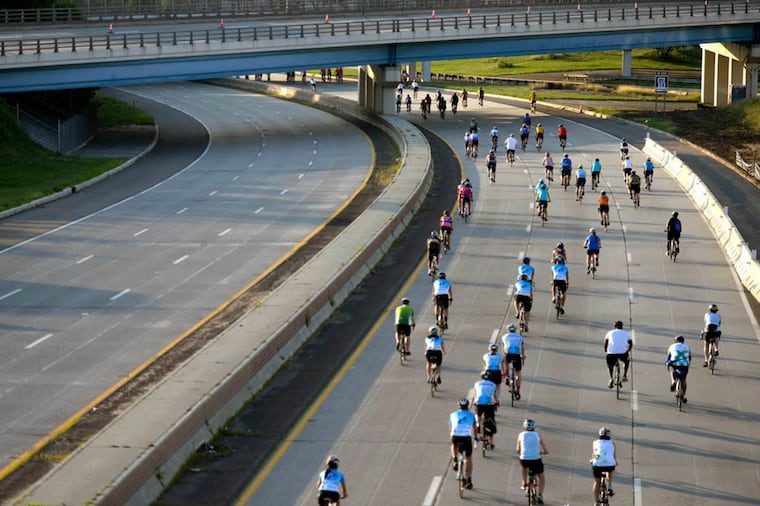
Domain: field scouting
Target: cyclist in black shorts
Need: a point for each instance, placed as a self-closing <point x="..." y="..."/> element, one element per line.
<point x="433" y="250"/>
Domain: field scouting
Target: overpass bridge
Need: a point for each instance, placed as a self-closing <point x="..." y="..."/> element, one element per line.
<point x="729" y="33"/>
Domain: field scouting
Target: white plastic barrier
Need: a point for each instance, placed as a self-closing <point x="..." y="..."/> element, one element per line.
<point x="723" y="228"/>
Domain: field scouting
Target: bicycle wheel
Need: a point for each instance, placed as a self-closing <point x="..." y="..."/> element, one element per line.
<point x="402" y="350"/>
<point x="679" y="394"/>
<point x="616" y="379"/>
<point x="711" y="361"/>
<point x="434" y="381"/>
<point x="512" y="384"/>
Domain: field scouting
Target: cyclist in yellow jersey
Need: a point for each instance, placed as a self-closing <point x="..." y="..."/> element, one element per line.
<point x="404" y="323"/>
<point x="532" y="99"/>
<point x="539" y="136"/>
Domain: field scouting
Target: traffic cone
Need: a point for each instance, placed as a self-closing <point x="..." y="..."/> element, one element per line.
<point x="468" y="12"/>
<point x="433" y="14"/>
<point x="327" y="19"/>
<point x="110" y="27"/>
<point x="221" y="24"/>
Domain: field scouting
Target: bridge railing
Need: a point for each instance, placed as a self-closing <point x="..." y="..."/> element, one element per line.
<point x="612" y="16"/>
<point x="749" y="168"/>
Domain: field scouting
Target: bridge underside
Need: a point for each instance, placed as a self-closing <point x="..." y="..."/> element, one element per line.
<point x="725" y="67"/>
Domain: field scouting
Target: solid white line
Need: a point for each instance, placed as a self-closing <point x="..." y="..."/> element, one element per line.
<point x="38" y="341"/>
<point x="312" y="161"/>
<point x="83" y="260"/>
<point x="257" y="211"/>
<point x="432" y="492"/>
<point x="624" y="229"/>
<point x="494" y="336"/>
<point x="11" y="293"/>
<point x="141" y="232"/>
<point x="123" y="292"/>
<point x="283" y="192"/>
<point x="634" y="400"/>
<point x="527" y="229"/>
<point x="637" y="501"/>
<point x="520" y="256"/>
<point x="224" y="232"/>
<point x="181" y="259"/>
<point x="315" y="140"/>
<point x="314" y="152"/>
<point x="182" y="210"/>
<point x="213" y="193"/>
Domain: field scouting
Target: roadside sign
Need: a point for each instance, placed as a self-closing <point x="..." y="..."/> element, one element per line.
<point x="661" y="82"/>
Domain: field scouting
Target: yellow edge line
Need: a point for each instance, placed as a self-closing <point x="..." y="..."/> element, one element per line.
<point x="66" y="425"/>
<point x="272" y="461"/>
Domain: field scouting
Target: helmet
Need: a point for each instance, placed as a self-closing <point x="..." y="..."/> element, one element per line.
<point x="592" y="230"/>
<point x="405" y="301"/>
<point x="649" y="159"/>
<point x="580" y="166"/>
<point x="441" y="275"/>
<point x="627" y="157"/>
<point x="467" y="180"/>
<point x="512" y="327"/>
<point x="713" y="308"/>
<point x="560" y="259"/>
<point x="523" y="277"/>
<point x="529" y="424"/>
<point x="678" y="339"/>
<point x="539" y="124"/>
<point x="675" y="214"/>
<point x="494" y="347"/>
<point x="491" y="151"/>
<point x="623" y="139"/>
<point x="511" y="135"/>
<point x="445" y="212"/>
<point x="463" y="404"/>
<point x="333" y="459"/>
<point x="566" y="155"/>
<point x="618" y="324"/>
<point x="434" y="235"/>
<point x="526" y="260"/>
<point x="560" y="245"/>
<point x="605" y="432"/>
<point x="541" y="181"/>
<point x="561" y="125"/>
<point x="486" y="375"/>
<point x="604" y="192"/>
<point x="596" y="159"/>
<point x="433" y="330"/>
<point x="633" y="172"/>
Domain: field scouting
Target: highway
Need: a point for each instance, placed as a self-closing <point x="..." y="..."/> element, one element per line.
<point x="392" y="436"/>
<point x="87" y="298"/>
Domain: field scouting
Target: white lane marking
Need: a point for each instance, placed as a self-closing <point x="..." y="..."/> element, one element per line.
<point x="235" y="178"/>
<point x="314" y="152"/>
<point x="630" y="257"/>
<point x="213" y="193"/>
<point x="432" y="492"/>
<point x="609" y="185"/>
<point x="11" y="293"/>
<point x="181" y="259"/>
<point x="250" y="165"/>
<point x="182" y="210"/>
<point x="520" y="255"/>
<point x="630" y="292"/>
<point x="258" y="155"/>
<point x="634" y="400"/>
<point x="315" y="140"/>
<point x="300" y="176"/>
<point x="283" y="192"/>
<point x="617" y="205"/>
<point x="633" y="336"/>
<point x="526" y="171"/>
<point x="224" y="232"/>
<point x="140" y="232"/>
<point x="510" y="289"/>
<point x="83" y="260"/>
<point x="257" y="211"/>
<point x="123" y="292"/>
<point x="38" y="341"/>
<point x="624" y="229"/>
<point x="527" y="229"/>
<point x="531" y="206"/>
<point x="494" y="336"/>
<point x="312" y="161"/>
<point x="637" y="501"/>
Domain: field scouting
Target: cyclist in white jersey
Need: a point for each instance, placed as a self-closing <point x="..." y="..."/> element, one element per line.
<point x="485" y="399"/>
<point x="679" y="358"/>
<point x="434" y="352"/>
<point x="530" y="447"/>
<point x="560" y="281"/>
<point x="526" y="269"/>
<point x="443" y="296"/>
<point x="510" y="145"/>
<point x="523" y="294"/>
<point x="513" y="347"/>
<point x="617" y="344"/>
<point x="712" y="330"/>
<point x="463" y="426"/>
<point x="494" y="363"/>
<point x="603" y="461"/>
<point x="331" y="484"/>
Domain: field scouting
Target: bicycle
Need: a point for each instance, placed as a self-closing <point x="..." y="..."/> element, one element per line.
<point x="594" y="180"/>
<point x="679" y="393"/>
<point x="532" y="491"/>
<point x="542" y="213"/>
<point x="604" y="495"/>
<point x="442" y="318"/>
<point x="580" y="196"/>
<point x="521" y="316"/>
<point x="485" y="437"/>
<point x="474" y="151"/>
<point x="648" y="181"/>
<point x="433" y="267"/>
<point x="402" y="351"/>
<point x="563" y="144"/>
<point x="711" y="356"/>
<point x="494" y="142"/>
<point x="565" y="180"/>
<point x="523" y="142"/>
<point x="491" y="173"/>
<point x="511" y="157"/>
<point x="466" y="208"/>
<point x="434" y="375"/>
<point x="446" y="240"/>
<point x="533" y="108"/>
<point x="605" y="219"/>
<point x="461" y="478"/>
<point x="616" y="379"/>
<point x="512" y="382"/>
<point x="673" y="249"/>
<point x="558" y="303"/>
<point x="539" y="143"/>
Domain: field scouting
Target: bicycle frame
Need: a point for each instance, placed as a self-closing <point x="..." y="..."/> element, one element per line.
<point x="616" y="378"/>
<point x="711" y="356"/>
<point x="461" y="478"/>
<point x="532" y="488"/>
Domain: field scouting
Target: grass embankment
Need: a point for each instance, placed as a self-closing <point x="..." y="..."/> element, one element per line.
<point x="29" y="171"/>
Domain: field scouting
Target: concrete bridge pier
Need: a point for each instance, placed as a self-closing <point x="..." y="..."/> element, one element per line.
<point x="725" y="65"/>
<point x="377" y="87"/>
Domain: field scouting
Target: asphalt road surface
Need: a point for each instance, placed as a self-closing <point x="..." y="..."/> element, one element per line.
<point x="94" y="285"/>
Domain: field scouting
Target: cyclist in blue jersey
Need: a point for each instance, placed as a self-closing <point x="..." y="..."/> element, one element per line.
<point x="542" y="198"/>
<point x="566" y="168"/>
<point x="463" y="426"/>
<point x="513" y="347"/>
<point x="560" y="282"/>
<point x="649" y="170"/>
<point x="678" y="358"/>
<point x="593" y="244"/>
<point x="596" y="173"/>
<point x="523" y="294"/>
<point x="485" y="398"/>
<point x="524" y="135"/>
<point x="580" y="182"/>
<point x="527" y="269"/>
<point x="331" y="483"/>
<point x="494" y="363"/>
<point x="526" y="119"/>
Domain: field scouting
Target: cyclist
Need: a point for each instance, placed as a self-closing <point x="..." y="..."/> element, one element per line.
<point x="593" y="244"/>
<point x="524" y="135"/>
<point x="532" y="100"/>
<point x="443" y="296"/>
<point x="467" y="143"/>
<point x="404" y="324"/>
<point x="491" y="164"/>
<point x="464" y="98"/>
<point x="539" y="136"/>
<point x="627" y="168"/>
<point x="399" y="97"/>
<point x="634" y="185"/>
<point x="548" y="164"/>
<point x="434" y="351"/>
<point x="447" y="227"/>
<point x="408" y="103"/>
<point x="481" y="96"/>
<point x="559" y="250"/>
<point x="580" y="182"/>
<point x="560" y="282"/>
<point x="331" y="483"/>
<point x="474" y="144"/>
<point x="526" y="268"/>
<point x="648" y="171"/>
<point x="679" y="358"/>
<point x="543" y="198"/>
<point x="454" y="102"/>
<point x="513" y="347"/>
<point x="466" y="197"/>
<point x="485" y="398"/>
<point x="530" y="447"/>
<point x="473" y="125"/>
<point x="523" y="294"/>
<point x="566" y="168"/>
<point x="623" y="149"/>
<point x="596" y="173"/>
<point x="712" y="331"/>
<point x="562" y="135"/>
<point x="603" y="461"/>
<point x="494" y="137"/>
<point x="510" y="145"/>
<point x="673" y="229"/>
<point x="617" y="345"/>
<point x="526" y="119"/>
<point x="415" y="88"/>
<point x="604" y="207"/>
<point x="424" y="108"/>
<point x="463" y="426"/>
<point x="494" y="363"/>
<point x="433" y="250"/>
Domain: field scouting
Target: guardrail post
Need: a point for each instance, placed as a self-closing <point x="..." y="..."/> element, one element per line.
<point x="413" y="27"/>
<point x="191" y="39"/>
<point x="732" y="8"/>
<point x="255" y="35"/>
<point x="581" y="16"/>
<point x="142" y="39"/>
<point x="240" y="33"/>
<point x="427" y="25"/>
<point x="705" y="9"/>
<point x="470" y="21"/>
<point x="691" y="10"/>
<point x="485" y="24"/>
<point x="208" y="40"/>
<point x="718" y="9"/>
<point x="377" y="26"/>
<point x="348" y="29"/>
<point x="224" y="36"/>
<point x="622" y="14"/>
<point x="568" y="16"/>
<point x="526" y="19"/>
<point x="540" y="18"/>
<point x="650" y="12"/>
<point x="55" y="45"/>
<point x="498" y="21"/>
<point x="512" y="20"/>
<point x="174" y="39"/>
<point x="108" y="42"/>
<point x="332" y="29"/>
<point x="362" y="28"/>
<point x="286" y="31"/>
<point x="73" y="44"/>
<point x="678" y="11"/>
<point x="442" y="27"/>
<point x="39" y="50"/>
<point x="158" y="39"/>
<point x="302" y="31"/>
<point x="664" y="12"/>
<point x="636" y="11"/>
<point x="91" y="46"/>
<point x="317" y="30"/>
<point x="124" y="41"/>
<point x="456" y="23"/>
<point x="609" y="14"/>
<point x="596" y="19"/>
<point x="746" y="7"/>
<point x="270" y="33"/>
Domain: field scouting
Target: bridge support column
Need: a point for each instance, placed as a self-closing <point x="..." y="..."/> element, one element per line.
<point x="627" y="70"/>
<point x="752" y="76"/>
<point x="377" y="88"/>
<point x="724" y="65"/>
<point x="426" y="71"/>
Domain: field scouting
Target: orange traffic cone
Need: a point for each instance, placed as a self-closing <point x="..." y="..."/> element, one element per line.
<point x="468" y="12"/>
<point x="433" y="14"/>
<point x="327" y="19"/>
<point x="221" y="24"/>
<point x="110" y="27"/>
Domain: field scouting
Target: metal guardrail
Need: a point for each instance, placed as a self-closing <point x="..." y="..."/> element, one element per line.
<point x="751" y="169"/>
<point x="99" y="10"/>
<point x="141" y="40"/>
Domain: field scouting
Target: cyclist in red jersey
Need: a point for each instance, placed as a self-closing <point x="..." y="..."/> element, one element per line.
<point x="562" y="133"/>
<point x="465" y="196"/>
